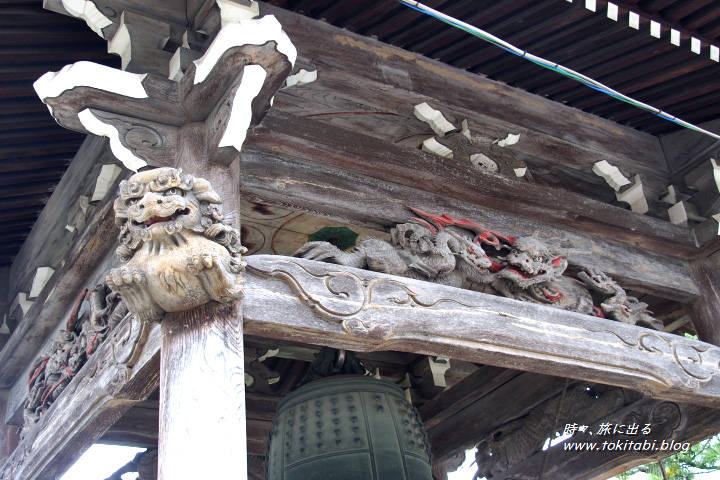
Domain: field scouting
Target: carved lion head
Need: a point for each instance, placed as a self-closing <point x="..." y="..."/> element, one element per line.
<point x="165" y="201"/>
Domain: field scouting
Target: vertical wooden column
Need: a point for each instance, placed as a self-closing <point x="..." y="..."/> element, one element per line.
<point x="202" y="378"/>
<point x="202" y="395"/>
<point x="705" y="310"/>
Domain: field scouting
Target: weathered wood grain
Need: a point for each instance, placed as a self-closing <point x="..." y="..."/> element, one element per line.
<point x="123" y="371"/>
<point x="465" y="392"/>
<point x="351" y="151"/>
<point x="670" y="422"/>
<point x="367" y="311"/>
<point x="88" y="251"/>
<point x="202" y="394"/>
<point x="326" y="45"/>
<point x="359" y="199"/>
<point x="705" y="311"/>
<point x="48" y="241"/>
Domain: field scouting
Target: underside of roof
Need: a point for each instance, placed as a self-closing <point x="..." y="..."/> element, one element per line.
<point x="35" y="151"/>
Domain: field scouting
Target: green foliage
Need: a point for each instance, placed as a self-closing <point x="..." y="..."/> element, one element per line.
<point x="701" y="458"/>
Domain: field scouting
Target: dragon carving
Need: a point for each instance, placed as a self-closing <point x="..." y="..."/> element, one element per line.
<point x="178" y="251"/>
<point x="462" y="253"/>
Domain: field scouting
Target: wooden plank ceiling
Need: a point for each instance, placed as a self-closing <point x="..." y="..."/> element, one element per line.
<point x="34" y="151"/>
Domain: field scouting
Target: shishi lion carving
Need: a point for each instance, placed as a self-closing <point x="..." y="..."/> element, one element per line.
<point x="178" y="251"/>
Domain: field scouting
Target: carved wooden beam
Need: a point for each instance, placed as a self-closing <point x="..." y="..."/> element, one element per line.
<point x="673" y="423"/>
<point x="369" y="62"/>
<point x="366" y="311"/>
<point x="228" y="90"/>
<point x="295" y="174"/>
<point x="123" y="371"/>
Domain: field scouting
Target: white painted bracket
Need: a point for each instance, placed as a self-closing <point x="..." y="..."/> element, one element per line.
<point x="434" y="118"/>
<point x="232" y="11"/>
<point x="108" y="175"/>
<point x="483" y="161"/>
<point x="42" y="276"/>
<point x="611" y="174"/>
<point x="438" y="367"/>
<point x="101" y="129"/>
<point x="4" y="329"/>
<point x="241" y="111"/>
<point x="244" y="32"/>
<point x="634" y="196"/>
<point x="86" y="10"/>
<point x="302" y="77"/>
<point x="88" y="74"/>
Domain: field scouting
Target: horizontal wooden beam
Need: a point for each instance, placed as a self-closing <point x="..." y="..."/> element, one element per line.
<point x="672" y="423"/>
<point x="318" y="176"/>
<point x="366" y="311"/>
<point x="123" y="371"/>
<point x="325" y="45"/>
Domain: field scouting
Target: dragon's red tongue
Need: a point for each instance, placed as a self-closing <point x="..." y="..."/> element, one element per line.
<point x="155" y="220"/>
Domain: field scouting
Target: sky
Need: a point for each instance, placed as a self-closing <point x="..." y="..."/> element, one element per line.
<point x="101" y="461"/>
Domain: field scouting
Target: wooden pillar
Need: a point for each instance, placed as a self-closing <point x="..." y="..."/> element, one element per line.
<point x="202" y="395"/>
<point x="705" y="310"/>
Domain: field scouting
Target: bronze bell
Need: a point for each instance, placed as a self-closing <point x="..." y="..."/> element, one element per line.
<point x="348" y="427"/>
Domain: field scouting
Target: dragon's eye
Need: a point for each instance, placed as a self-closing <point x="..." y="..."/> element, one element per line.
<point x="132" y="201"/>
<point x="538" y="259"/>
<point x="172" y="191"/>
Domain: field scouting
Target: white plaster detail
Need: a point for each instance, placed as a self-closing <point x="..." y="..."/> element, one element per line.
<point x="520" y="172"/>
<point x="670" y="196"/>
<point x="22" y="300"/>
<point x="434" y="118"/>
<point x="612" y="11"/>
<point x="4" y="329"/>
<point x="302" y="77"/>
<point x="433" y="146"/>
<point x="634" y="20"/>
<point x="634" y="196"/>
<point x="511" y="139"/>
<point x="93" y="125"/>
<point x="466" y="130"/>
<point x="591" y="5"/>
<point x="87" y="10"/>
<point x="695" y="45"/>
<point x="77" y="214"/>
<point x="231" y="11"/>
<point x="42" y="276"/>
<point x="483" y="161"/>
<point x="244" y="32"/>
<point x="120" y="45"/>
<point x="93" y="75"/>
<point x="682" y="212"/>
<point x="104" y="181"/>
<point x="655" y="29"/>
<point x="175" y="72"/>
<point x="714" y="53"/>
<point x="675" y="37"/>
<point x="253" y="77"/>
<point x="611" y="174"/>
<point x="438" y="367"/>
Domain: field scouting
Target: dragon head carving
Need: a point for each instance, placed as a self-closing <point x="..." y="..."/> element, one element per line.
<point x="530" y="262"/>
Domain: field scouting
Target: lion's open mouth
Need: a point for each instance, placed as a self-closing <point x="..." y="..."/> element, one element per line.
<point x="154" y="220"/>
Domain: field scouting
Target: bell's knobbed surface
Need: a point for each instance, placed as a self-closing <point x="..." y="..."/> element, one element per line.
<point x="348" y="428"/>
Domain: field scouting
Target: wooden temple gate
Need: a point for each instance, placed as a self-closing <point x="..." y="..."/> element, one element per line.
<point x="202" y="384"/>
